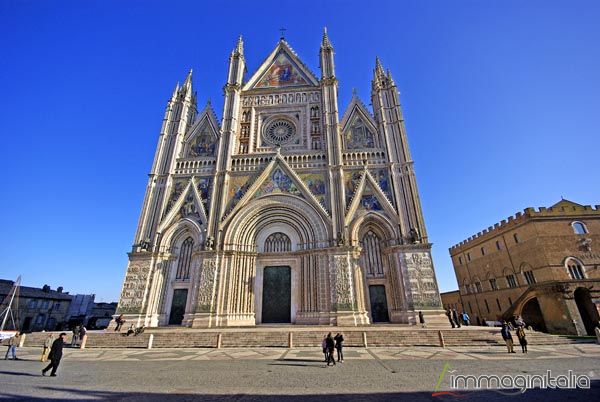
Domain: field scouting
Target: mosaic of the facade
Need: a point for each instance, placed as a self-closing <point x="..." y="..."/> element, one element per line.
<point x="282" y="211"/>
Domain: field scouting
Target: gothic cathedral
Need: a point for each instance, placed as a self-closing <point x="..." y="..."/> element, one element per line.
<point x="281" y="212"/>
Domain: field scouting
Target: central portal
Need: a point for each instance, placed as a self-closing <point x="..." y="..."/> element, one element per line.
<point x="277" y="295"/>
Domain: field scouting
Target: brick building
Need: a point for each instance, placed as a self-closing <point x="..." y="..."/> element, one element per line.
<point x="541" y="264"/>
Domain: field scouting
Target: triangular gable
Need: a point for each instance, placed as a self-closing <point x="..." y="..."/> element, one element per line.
<point x="358" y="128"/>
<point x="282" y="68"/>
<point x="368" y="196"/>
<point x="189" y="204"/>
<point x="202" y="138"/>
<point x="565" y="204"/>
<point x="278" y="177"/>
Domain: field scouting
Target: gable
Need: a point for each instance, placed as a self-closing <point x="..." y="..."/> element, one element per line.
<point x="358" y="128"/>
<point x="368" y="196"/>
<point x="201" y="140"/>
<point x="281" y="69"/>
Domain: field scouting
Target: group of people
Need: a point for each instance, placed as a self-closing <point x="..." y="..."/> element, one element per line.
<point x="520" y="331"/>
<point x="329" y="343"/>
<point x="457" y="320"/>
<point x="79" y="332"/>
<point x="52" y="350"/>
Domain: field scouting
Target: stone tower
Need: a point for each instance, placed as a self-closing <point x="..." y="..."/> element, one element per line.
<point x="282" y="213"/>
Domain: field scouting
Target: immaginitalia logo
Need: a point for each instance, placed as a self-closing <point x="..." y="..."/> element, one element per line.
<point x="507" y="384"/>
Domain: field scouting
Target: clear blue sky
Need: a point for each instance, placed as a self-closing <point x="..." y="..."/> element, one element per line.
<point x="501" y="100"/>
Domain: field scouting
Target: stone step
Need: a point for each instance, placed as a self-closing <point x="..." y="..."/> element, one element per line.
<point x="302" y="337"/>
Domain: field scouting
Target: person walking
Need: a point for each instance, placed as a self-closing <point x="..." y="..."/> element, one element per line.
<point x="46" y="350"/>
<point x="421" y="319"/>
<point x="13" y="342"/>
<point x="449" y="315"/>
<point x="522" y="339"/>
<point x="82" y="333"/>
<point x="55" y="355"/>
<point x="505" y="331"/>
<point x="330" y="346"/>
<point x="339" y="339"/>
<point x="324" y="345"/>
<point x="466" y="318"/>
<point x="120" y="321"/>
<point x="75" y="336"/>
<point x="455" y="318"/>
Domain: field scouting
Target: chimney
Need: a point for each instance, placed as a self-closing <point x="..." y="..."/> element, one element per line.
<point x="46" y="288"/>
<point x="59" y="289"/>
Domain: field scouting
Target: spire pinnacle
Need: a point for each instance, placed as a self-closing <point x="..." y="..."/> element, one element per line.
<point x="326" y="43"/>
<point x="188" y="79"/>
<point x="239" y="48"/>
<point x="378" y="67"/>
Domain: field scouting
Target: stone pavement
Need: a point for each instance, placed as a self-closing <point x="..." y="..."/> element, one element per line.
<point x="289" y="375"/>
<point x="312" y="354"/>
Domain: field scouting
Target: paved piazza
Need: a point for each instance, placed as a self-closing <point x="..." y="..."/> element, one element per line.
<point x="288" y="374"/>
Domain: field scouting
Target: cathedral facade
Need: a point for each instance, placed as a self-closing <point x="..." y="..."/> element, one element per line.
<point x="281" y="212"/>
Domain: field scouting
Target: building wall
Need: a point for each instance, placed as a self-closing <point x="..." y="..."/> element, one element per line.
<point x="534" y="241"/>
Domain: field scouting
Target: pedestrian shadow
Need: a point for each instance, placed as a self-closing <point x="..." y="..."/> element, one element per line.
<point x="17" y="373"/>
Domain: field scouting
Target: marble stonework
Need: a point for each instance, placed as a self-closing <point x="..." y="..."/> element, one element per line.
<point x="281" y="162"/>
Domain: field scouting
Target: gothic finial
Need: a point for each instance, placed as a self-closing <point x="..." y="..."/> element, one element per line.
<point x="325" y="43"/>
<point x="240" y="45"/>
<point x="188" y="79"/>
<point x="354" y="92"/>
<point x="282" y="30"/>
<point x="378" y="67"/>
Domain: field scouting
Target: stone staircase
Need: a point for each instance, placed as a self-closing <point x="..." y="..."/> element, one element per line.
<point x="283" y="337"/>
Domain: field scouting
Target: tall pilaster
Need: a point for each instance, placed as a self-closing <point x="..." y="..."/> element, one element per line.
<point x="388" y="114"/>
<point x="329" y="91"/>
<point x="180" y="112"/>
<point x="231" y="109"/>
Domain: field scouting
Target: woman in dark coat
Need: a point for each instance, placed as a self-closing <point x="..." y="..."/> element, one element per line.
<point x="55" y="355"/>
<point x="339" y="339"/>
<point x="330" y="346"/>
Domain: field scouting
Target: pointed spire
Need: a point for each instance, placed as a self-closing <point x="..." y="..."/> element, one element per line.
<point x="175" y="91"/>
<point x="378" y="67"/>
<point x="239" y="47"/>
<point x="354" y="93"/>
<point x="325" y="43"/>
<point x="188" y="79"/>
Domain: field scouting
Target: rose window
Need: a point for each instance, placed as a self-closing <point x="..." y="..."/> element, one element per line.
<point x="279" y="132"/>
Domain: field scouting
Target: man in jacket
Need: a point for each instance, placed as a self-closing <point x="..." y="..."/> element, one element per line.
<point x="505" y="331"/>
<point x="330" y="346"/>
<point x="13" y="342"/>
<point x="55" y="355"/>
<point x="339" y="339"/>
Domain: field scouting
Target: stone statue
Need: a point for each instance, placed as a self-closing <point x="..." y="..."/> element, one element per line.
<point x="414" y="236"/>
<point x="208" y="245"/>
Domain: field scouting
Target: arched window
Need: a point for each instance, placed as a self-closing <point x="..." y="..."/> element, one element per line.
<point x="278" y="242"/>
<point x="579" y="228"/>
<point x="185" y="259"/>
<point x="575" y="268"/>
<point x="372" y="254"/>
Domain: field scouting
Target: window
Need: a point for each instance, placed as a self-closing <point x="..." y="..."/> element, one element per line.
<point x="482" y="250"/>
<point x="498" y="245"/>
<point x="39" y="320"/>
<point x="529" y="278"/>
<point x="372" y="254"/>
<point x="468" y="256"/>
<point x="32" y="303"/>
<point x="460" y="260"/>
<point x="498" y="303"/>
<point x="579" y="228"/>
<point x="511" y="281"/>
<point x="185" y="259"/>
<point x="516" y="237"/>
<point x="487" y="307"/>
<point x="45" y="304"/>
<point x="510" y="301"/>
<point x="575" y="268"/>
<point x="57" y="306"/>
<point x="493" y="284"/>
<point x="470" y="309"/>
<point x="278" y="242"/>
<point x="478" y="287"/>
